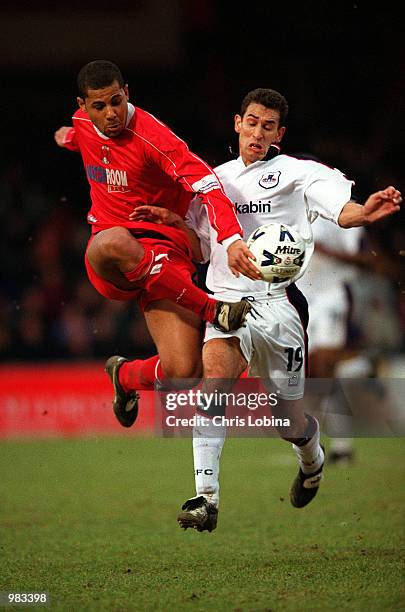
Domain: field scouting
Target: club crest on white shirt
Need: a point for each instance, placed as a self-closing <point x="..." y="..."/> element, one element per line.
<point x="270" y="179"/>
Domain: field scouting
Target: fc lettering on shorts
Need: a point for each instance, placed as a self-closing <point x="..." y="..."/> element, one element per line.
<point x="206" y="472"/>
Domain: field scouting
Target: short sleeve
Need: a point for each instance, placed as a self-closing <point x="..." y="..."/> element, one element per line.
<point x="328" y="190"/>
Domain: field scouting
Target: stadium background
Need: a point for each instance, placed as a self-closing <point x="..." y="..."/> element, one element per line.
<point x="190" y="64"/>
<point x="342" y="71"/>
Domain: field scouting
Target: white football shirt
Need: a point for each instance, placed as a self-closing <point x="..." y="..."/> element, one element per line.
<point x="282" y="190"/>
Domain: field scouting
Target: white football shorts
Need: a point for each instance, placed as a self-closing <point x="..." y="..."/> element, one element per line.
<point x="273" y="344"/>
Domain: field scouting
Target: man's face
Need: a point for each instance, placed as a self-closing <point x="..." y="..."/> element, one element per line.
<point x="107" y="108"/>
<point x="257" y="129"/>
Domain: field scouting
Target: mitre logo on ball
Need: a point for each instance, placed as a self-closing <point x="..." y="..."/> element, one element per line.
<point x="287" y="250"/>
<point x="276" y="260"/>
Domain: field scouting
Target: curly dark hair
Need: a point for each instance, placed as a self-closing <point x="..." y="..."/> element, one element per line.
<point x="96" y="75"/>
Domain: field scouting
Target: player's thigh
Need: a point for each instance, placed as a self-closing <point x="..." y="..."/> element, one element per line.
<point x="226" y="355"/>
<point x="223" y="359"/>
<point x="112" y="250"/>
<point x="176" y="333"/>
<point x="279" y="347"/>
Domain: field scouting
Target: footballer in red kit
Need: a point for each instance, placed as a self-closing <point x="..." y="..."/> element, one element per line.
<point x="133" y="159"/>
<point x="147" y="164"/>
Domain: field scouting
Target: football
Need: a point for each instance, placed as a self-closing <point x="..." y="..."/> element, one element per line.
<point x="279" y="251"/>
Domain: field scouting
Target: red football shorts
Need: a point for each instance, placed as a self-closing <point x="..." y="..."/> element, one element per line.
<point x="179" y="256"/>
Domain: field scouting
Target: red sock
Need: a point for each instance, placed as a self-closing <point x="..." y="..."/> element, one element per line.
<point x="175" y="287"/>
<point x="140" y="374"/>
<point x="171" y="283"/>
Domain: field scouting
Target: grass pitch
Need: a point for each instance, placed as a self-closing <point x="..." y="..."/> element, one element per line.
<point x="93" y="522"/>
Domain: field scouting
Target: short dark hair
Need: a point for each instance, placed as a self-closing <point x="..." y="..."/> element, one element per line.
<point x="96" y="75"/>
<point x="270" y="98"/>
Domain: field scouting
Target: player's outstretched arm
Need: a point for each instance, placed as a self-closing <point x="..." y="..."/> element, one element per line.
<point x="163" y="216"/>
<point x="377" y="207"/>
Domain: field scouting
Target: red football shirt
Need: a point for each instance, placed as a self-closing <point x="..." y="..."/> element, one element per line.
<point x="146" y="164"/>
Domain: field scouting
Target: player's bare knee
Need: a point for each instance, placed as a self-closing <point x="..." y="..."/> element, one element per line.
<point x="189" y="370"/>
<point x="223" y="370"/>
<point x="217" y="371"/>
<point x="114" y="245"/>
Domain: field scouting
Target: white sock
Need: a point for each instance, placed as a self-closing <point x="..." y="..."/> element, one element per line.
<point x="310" y="455"/>
<point x="208" y="441"/>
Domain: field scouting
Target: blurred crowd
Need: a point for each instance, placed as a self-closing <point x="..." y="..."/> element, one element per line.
<point x="49" y="310"/>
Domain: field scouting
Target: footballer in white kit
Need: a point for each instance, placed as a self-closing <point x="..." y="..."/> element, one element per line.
<point x="268" y="188"/>
<point x="326" y="285"/>
<point x="286" y="190"/>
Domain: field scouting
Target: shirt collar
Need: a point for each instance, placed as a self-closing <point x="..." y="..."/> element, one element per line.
<point x="273" y="151"/>
<point x="131" y="112"/>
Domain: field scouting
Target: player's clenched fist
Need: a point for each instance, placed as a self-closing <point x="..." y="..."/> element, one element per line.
<point x="239" y="262"/>
<point x="60" y="135"/>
